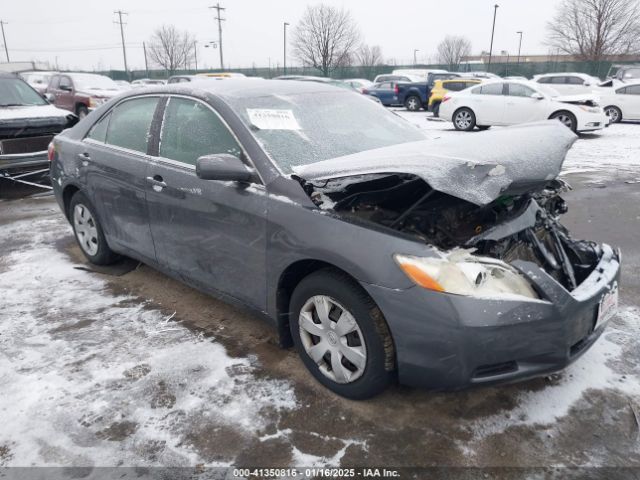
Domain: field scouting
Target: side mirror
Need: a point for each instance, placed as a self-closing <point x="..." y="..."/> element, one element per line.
<point x="49" y="97"/>
<point x="222" y="166"/>
<point x="537" y="96"/>
<point x="66" y="88"/>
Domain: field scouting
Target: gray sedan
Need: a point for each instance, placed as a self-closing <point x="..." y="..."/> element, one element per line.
<point x="382" y="255"/>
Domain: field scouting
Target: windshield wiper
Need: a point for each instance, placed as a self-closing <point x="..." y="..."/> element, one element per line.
<point x="13" y="104"/>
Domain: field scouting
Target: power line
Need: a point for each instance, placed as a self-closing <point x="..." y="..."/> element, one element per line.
<point x="4" y="39"/>
<point x="124" y="50"/>
<point x="219" y="18"/>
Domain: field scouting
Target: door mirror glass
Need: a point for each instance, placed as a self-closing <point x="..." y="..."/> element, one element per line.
<point x="66" y="88"/>
<point x="222" y="166"/>
<point x="537" y="96"/>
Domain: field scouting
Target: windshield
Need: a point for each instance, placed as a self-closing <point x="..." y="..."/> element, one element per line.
<point x="89" y="81"/>
<point x="39" y="78"/>
<point x="16" y="92"/>
<point x="300" y="129"/>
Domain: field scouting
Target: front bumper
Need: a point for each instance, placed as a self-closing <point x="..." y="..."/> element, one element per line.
<point x="24" y="161"/>
<point x="592" y="121"/>
<point x="446" y="341"/>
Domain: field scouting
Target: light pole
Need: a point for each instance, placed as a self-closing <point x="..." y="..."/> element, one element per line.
<point x="284" y="63"/>
<point x="495" y="10"/>
<point x="415" y="62"/>
<point x="519" y="46"/>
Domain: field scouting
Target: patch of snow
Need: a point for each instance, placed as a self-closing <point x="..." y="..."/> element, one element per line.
<point x="95" y="379"/>
<point x="595" y="370"/>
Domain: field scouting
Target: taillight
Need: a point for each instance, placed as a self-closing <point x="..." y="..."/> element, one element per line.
<point x="51" y="151"/>
<point x="396" y="89"/>
<point x="446" y="97"/>
<point x="365" y="91"/>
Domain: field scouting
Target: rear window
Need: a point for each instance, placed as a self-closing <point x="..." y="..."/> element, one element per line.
<point x="575" y="80"/>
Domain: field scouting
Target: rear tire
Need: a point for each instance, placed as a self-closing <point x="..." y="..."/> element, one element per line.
<point x="464" y="119"/>
<point x="614" y="113"/>
<point x="413" y="103"/>
<point x="568" y="119"/>
<point x="88" y="231"/>
<point x="356" y="365"/>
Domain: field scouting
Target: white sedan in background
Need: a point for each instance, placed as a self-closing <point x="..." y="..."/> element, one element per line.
<point x="512" y="102"/>
<point x="568" y="83"/>
<point x="623" y="102"/>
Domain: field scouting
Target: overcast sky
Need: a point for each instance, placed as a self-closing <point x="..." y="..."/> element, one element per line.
<point x="81" y="34"/>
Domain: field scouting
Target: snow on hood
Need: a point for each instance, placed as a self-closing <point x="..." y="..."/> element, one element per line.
<point x="98" y="92"/>
<point x="32" y="111"/>
<point x="476" y="167"/>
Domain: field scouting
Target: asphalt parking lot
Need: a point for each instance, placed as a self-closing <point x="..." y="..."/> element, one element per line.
<point x="125" y="366"/>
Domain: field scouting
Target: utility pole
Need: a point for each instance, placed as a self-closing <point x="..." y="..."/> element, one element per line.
<point x="415" y="61"/>
<point x="146" y="65"/>
<point x="124" y="51"/>
<point x="4" y="39"/>
<point x="219" y="18"/>
<point x="519" y="46"/>
<point x="495" y="10"/>
<point x="195" y="53"/>
<point x="285" y="48"/>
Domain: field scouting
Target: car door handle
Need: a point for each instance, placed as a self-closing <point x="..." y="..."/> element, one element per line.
<point x="85" y="157"/>
<point x="157" y="182"/>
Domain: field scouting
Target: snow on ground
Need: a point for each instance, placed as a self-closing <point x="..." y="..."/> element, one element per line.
<point x="93" y="379"/>
<point x="616" y="148"/>
<point x="598" y="369"/>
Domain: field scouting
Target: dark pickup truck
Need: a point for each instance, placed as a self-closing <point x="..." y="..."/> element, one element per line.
<point x="27" y="124"/>
<point x="415" y="95"/>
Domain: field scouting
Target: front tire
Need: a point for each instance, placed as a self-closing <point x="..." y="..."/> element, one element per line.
<point x="464" y="120"/>
<point x="413" y="103"/>
<point x="568" y="119"/>
<point x="88" y="231"/>
<point x="341" y="335"/>
<point x="82" y="111"/>
<point x="614" y="113"/>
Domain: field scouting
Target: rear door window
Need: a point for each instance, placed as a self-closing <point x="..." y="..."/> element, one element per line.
<point x="575" y="80"/>
<point x="633" y="90"/>
<point x="559" y="80"/>
<point x="490" y="89"/>
<point x="130" y="124"/>
<point x="99" y="131"/>
<point x="544" y="80"/>
<point x="191" y="130"/>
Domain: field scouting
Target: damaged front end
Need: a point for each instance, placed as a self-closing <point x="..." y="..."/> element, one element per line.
<point x="512" y="227"/>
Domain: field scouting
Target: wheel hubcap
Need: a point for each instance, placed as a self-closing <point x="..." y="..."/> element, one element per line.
<point x="86" y="230"/>
<point x="413" y="104"/>
<point x="612" y="113"/>
<point x="332" y="338"/>
<point x="463" y="119"/>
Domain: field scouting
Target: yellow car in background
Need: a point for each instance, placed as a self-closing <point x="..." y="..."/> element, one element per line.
<point x="441" y="87"/>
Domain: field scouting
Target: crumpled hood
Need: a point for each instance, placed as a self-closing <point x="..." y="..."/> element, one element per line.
<point x="477" y="167"/>
<point x="578" y="98"/>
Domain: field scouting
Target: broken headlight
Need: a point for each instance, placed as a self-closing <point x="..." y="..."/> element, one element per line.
<point x="461" y="273"/>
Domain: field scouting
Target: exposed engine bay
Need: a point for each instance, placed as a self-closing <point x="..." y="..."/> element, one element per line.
<point x="512" y="227"/>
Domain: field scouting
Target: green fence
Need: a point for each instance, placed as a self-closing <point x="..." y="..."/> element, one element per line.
<point x="526" y="69"/>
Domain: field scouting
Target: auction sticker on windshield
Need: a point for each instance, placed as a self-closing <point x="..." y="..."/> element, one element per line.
<point x="270" y="119"/>
<point x="608" y="306"/>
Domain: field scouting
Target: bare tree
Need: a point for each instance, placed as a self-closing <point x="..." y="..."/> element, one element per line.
<point x="325" y="38"/>
<point x="171" y="48"/>
<point x="452" y="49"/>
<point x="369" y="57"/>
<point x="592" y="29"/>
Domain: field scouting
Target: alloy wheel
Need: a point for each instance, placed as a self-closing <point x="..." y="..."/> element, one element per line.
<point x="85" y="229"/>
<point x="412" y="104"/>
<point x="613" y="114"/>
<point x="332" y="338"/>
<point x="463" y="120"/>
<point x="566" y="120"/>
